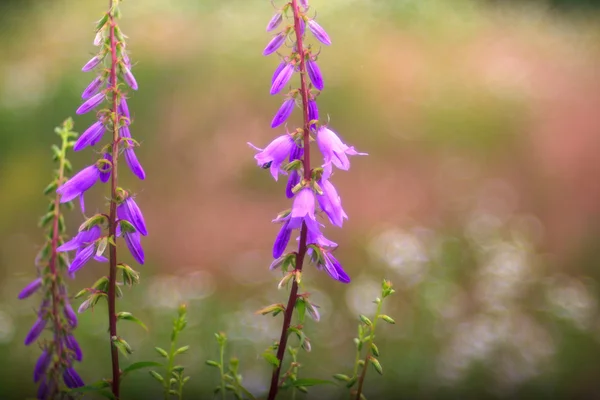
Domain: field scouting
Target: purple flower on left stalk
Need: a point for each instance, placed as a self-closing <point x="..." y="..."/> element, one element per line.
<point x="129" y="211"/>
<point x="90" y="103"/>
<point x="275" y="43"/>
<point x="333" y="268"/>
<point x="333" y="150"/>
<point x="274" y="154"/>
<point x="31" y="288"/>
<point x="79" y="183"/>
<point x="72" y="378"/>
<point x="41" y="365"/>
<point x="36" y="330"/>
<point x="275" y="21"/>
<point x="296" y="154"/>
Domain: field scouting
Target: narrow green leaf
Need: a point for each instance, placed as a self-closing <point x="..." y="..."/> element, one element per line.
<point x="387" y="319"/>
<point x="271" y="359"/>
<point x="129" y="317"/>
<point x="301" y="309"/>
<point x="182" y="350"/>
<point x="140" y="365"/>
<point x="213" y="363"/>
<point x="311" y="382"/>
<point x="351" y="382"/>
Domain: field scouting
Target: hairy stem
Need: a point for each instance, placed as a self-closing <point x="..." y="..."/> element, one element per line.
<point x="52" y="265"/>
<point x="289" y="310"/>
<point x="112" y="278"/>
<point x="171" y="361"/>
<point x="363" y="374"/>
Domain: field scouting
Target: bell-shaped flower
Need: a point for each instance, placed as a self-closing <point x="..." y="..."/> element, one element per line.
<point x="331" y="203"/>
<point x="36" y="330"/>
<point x="90" y="136"/>
<point x="129" y="78"/>
<point x="106" y="167"/>
<point x="41" y="365"/>
<point x="92" y="88"/>
<point x="79" y="183"/>
<point x="303" y="210"/>
<point x="274" y="154"/>
<point x="275" y="21"/>
<point x="130" y="157"/>
<point x="90" y="103"/>
<point x="72" y="344"/>
<point x="134" y="244"/>
<point x="282" y="78"/>
<point x="93" y="63"/>
<point x="294" y="178"/>
<point x="129" y="211"/>
<point x="314" y="73"/>
<point x="275" y="43"/>
<point x="31" y="288"/>
<point x="313" y="112"/>
<point x="284" y="112"/>
<point x="319" y="32"/>
<point x="72" y="378"/>
<point x="282" y="239"/>
<point x="333" y="150"/>
<point x="334" y="268"/>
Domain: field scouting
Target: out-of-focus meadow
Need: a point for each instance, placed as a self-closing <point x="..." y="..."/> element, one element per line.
<point x="479" y="198"/>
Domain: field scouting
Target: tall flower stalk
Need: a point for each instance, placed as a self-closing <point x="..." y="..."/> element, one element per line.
<point x="55" y="312"/>
<point x="306" y="185"/>
<point x="124" y="219"/>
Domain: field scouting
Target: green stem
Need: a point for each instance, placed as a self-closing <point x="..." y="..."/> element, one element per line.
<point x="221" y="369"/>
<point x="170" y="369"/>
<point x="361" y="380"/>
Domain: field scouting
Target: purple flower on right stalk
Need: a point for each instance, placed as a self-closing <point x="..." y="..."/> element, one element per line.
<point x="275" y="43"/>
<point x="275" y="21"/>
<point x="331" y="203"/>
<point x="79" y="183"/>
<point x="90" y="136"/>
<point x="274" y="154"/>
<point x="334" y="150"/>
<point x="31" y="288"/>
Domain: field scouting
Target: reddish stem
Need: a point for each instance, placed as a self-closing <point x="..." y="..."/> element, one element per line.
<point x="287" y="318"/>
<point x="112" y="277"/>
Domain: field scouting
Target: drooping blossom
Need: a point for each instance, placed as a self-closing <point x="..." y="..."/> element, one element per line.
<point x="274" y="154"/>
<point x="334" y="150"/>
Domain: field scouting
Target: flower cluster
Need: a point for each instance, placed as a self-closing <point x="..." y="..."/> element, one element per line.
<point x="98" y="233"/>
<point x="111" y="64"/>
<point x="289" y="153"/>
<point x="59" y="353"/>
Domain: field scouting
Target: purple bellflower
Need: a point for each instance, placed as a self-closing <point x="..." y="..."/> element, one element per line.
<point x="129" y="211"/>
<point x="319" y="32"/>
<point x="31" y="288"/>
<point x="284" y="112"/>
<point x="334" y="151"/>
<point x="79" y="183"/>
<point x="275" y="21"/>
<point x="314" y="73"/>
<point x="275" y="43"/>
<point x="274" y="154"/>
<point x="282" y="78"/>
